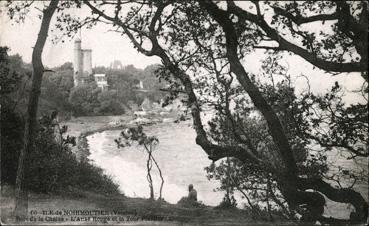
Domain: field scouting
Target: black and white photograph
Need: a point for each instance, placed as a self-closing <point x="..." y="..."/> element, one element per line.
<point x="192" y="112"/>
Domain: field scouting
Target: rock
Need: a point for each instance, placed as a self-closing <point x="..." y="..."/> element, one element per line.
<point x="113" y="123"/>
<point x="140" y="113"/>
<point x="298" y="216"/>
<point x="168" y="120"/>
<point x="141" y="121"/>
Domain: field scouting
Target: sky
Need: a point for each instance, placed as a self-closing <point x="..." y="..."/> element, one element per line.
<point x="108" y="46"/>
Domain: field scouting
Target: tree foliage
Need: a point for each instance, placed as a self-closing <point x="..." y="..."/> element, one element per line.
<point x="202" y="45"/>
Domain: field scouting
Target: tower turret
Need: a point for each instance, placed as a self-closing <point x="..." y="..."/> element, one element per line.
<point x="78" y="62"/>
<point x="87" y="62"/>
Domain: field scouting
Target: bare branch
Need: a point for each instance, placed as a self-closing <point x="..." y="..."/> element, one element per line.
<point x="302" y="20"/>
<point x="267" y="47"/>
<point x="123" y="26"/>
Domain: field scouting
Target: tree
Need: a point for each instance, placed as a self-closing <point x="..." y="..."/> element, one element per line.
<point x="8" y="76"/>
<point x="123" y="81"/>
<point x="126" y="80"/>
<point x="151" y="83"/>
<point x="203" y="37"/>
<point x="30" y="127"/>
<point x="109" y="104"/>
<point x="10" y="80"/>
<point x="130" y="135"/>
<point x="56" y="88"/>
<point x="15" y="81"/>
<point x="293" y="194"/>
<point x="84" y="99"/>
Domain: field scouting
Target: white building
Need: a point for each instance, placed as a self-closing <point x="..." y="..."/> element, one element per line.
<point x="101" y="81"/>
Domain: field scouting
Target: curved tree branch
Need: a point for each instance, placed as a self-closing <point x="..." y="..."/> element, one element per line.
<point x="344" y="195"/>
<point x="123" y="26"/>
<point x="289" y="46"/>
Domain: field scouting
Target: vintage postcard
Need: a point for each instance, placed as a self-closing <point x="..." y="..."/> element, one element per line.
<point x="198" y="112"/>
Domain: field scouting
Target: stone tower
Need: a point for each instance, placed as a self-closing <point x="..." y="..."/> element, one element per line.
<point x="87" y="62"/>
<point x="82" y="64"/>
<point x="77" y="62"/>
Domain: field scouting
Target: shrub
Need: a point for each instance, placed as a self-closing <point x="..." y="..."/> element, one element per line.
<point x="109" y="104"/>
<point x="51" y="167"/>
<point x="189" y="203"/>
<point x="11" y="142"/>
<point x="83" y="99"/>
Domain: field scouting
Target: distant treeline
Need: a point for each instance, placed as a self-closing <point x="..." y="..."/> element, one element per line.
<point x="59" y="94"/>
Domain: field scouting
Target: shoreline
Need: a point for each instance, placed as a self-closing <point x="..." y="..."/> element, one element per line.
<point x="81" y="150"/>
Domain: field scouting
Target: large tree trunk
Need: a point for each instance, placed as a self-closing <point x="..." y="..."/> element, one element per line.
<point x="344" y="195"/>
<point x="292" y="187"/>
<point x="275" y="127"/>
<point x="21" y="197"/>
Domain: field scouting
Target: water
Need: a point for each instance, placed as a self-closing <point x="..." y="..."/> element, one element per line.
<point x="182" y="163"/>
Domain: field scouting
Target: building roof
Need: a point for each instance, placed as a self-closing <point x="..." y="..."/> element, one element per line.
<point x="99" y="75"/>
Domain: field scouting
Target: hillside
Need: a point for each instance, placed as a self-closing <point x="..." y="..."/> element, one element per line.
<point x="91" y="208"/>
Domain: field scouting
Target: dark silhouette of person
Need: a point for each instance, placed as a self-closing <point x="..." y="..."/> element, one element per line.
<point x="192" y="193"/>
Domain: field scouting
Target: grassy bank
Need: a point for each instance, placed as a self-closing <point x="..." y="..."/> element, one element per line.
<point x="120" y="210"/>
